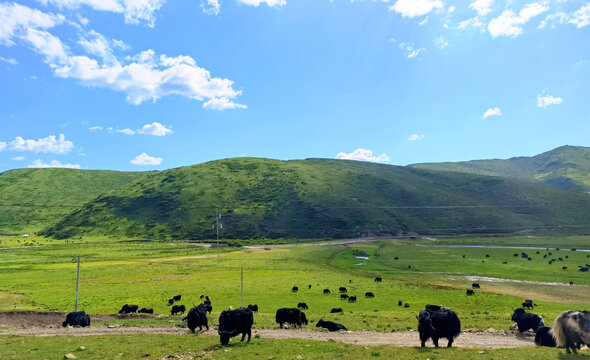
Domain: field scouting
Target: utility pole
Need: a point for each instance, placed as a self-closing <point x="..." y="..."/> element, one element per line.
<point x="242" y="286"/>
<point x="77" y="284"/>
<point x="217" y="219"/>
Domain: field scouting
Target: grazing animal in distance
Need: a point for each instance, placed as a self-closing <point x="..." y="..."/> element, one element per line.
<point x="571" y="329"/>
<point x="351" y="299"/>
<point x="291" y="316"/>
<point x="470" y="292"/>
<point x="295" y="289"/>
<point x="126" y="309"/>
<point x="178" y="309"/>
<point x="197" y="316"/>
<point x="254" y="308"/>
<point x="177" y="297"/>
<point x="369" y="294"/>
<point x="78" y="318"/>
<point x="302" y="306"/>
<point x="528" y="304"/>
<point x="378" y="279"/>
<point x="343" y="296"/>
<point x="170" y="301"/>
<point x="336" y="310"/>
<point x="544" y="338"/>
<point x="331" y="326"/>
<point x="400" y="303"/>
<point x="146" y="310"/>
<point x="406" y="305"/>
<point x="475" y="285"/>
<point x="342" y="289"/>
<point x="436" y="324"/>
<point x="326" y="291"/>
<point x="526" y="321"/>
<point x="235" y="322"/>
<point x="308" y="287"/>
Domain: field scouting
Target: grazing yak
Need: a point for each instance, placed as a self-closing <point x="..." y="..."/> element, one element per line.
<point x="342" y="289"/>
<point x="343" y="296"/>
<point x="571" y="329"/>
<point x="197" y="316"/>
<point x="178" y="309"/>
<point x="170" y="301"/>
<point x="544" y="338"/>
<point x="369" y="294"/>
<point x="146" y="310"/>
<point x="470" y="292"/>
<point x="400" y="303"/>
<point x="526" y="321"/>
<point x="126" y="309"/>
<point x="351" y="299"/>
<point x="177" y="297"/>
<point x="336" y="310"/>
<point x="331" y="326"/>
<point x="326" y="291"/>
<point x="406" y="305"/>
<point x="254" y="308"/>
<point x="77" y="319"/>
<point x="235" y="322"/>
<point x="295" y="289"/>
<point x="475" y="285"/>
<point x="528" y="304"/>
<point x="378" y="279"/>
<point x="437" y="324"/>
<point x="302" y="306"/>
<point x="291" y="316"/>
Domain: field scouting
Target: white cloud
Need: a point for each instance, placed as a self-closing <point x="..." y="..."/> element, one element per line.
<point x="18" y="158"/>
<point x="3" y="145"/>
<point x="508" y="23"/>
<point x="492" y="112"/>
<point x="483" y="7"/>
<point x="126" y="131"/>
<point x="473" y="22"/>
<point x="145" y="159"/>
<point x="423" y="22"/>
<point x="211" y="7"/>
<point x="222" y="103"/>
<point x="16" y="18"/>
<point x="415" y="137"/>
<point x="547" y="100"/>
<point x="413" y="8"/>
<point x="53" y="164"/>
<point x="440" y="42"/>
<point x="98" y="45"/>
<point x="581" y="17"/>
<point x="267" y="2"/>
<point x="134" y="11"/>
<point x="361" y="154"/>
<point x="50" y="144"/>
<point x="409" y="50"/>
<point x="155" y="129"/>
<point x="95" y="128"/>
<point x="11" y="61"/>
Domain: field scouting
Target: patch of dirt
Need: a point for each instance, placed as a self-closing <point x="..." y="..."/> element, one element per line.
<point x="49" y="324"/>
<point x="34" y="319"/>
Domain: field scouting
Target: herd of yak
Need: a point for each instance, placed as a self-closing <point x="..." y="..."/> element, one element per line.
<point x="570" y="330"/>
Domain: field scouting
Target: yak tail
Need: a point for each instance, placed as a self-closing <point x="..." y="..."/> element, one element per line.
<point x="558" y="330"/>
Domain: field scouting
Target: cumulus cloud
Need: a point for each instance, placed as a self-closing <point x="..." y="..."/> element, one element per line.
<point x="134" y="11"/>
<point x="222" y="103"/>
<point x="415" y="137"/>
<point x="547" y="100"/>
<point x="50" y="144"/>
<point x="52" y="164"/>
<point x="18" y="158"/>
<point x="361" y="154"/>
<point x="95" y="128"/>
<point x="143" y="77"/>
<point x="581" y="17"/>
<point x="3" y="145"/>
<point x="145" y="159"/>
<point x="409" y="50"/>
<point x="211" y="7"/>
<point x="155" y="129"/>
<point x="440" y="42"/>
<point x="509" y="23"/>
<point x="267" y="2"/>
<point x="11" y="61"/>
<point x="413" y="8"/>
<point x="492" y="112"/>
<point x="125" y="131"/>
<point x="483" y="7"/>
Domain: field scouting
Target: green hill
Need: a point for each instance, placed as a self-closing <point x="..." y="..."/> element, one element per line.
<point x="567" y="167"/>
<point x="31" y="199"/>
<point x="322" y="198"/>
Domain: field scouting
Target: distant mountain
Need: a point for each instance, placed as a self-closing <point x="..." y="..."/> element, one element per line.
<point x="31" y="199"/>
<point x="318" y="198"/>
<point x="567" y="167"/>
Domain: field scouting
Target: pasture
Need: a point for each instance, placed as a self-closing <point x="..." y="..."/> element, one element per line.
<point x="148" y="273"/>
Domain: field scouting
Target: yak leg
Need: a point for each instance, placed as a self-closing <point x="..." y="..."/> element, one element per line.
<point x="243" y="337"/>
<point x="435" y="341"/>
<point x="450" y="344"/>
<point x="249" y="334"/>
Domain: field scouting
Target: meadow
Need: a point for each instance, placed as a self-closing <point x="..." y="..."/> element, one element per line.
<point x="148" y="273"/>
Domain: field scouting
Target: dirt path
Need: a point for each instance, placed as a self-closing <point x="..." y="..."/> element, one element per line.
<point x="469" y="339"/>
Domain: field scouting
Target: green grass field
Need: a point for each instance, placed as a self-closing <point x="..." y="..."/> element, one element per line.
<point x="148" y="273"/>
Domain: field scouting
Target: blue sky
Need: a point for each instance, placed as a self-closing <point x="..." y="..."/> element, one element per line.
<point x="156" y="84"/>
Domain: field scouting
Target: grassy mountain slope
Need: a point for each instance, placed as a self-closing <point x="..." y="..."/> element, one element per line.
<point x="567" y="167"/>
<point x="31" y="199"/>
<point x="320" y="198"/>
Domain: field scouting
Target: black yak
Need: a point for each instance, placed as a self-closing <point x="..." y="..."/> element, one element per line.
<point x="526" y="321"/>
<point x="326" y="291"/>
<point x="291" y="316"/>
<point x="544" y="338"/>
<point x="336" y="310"/>
<point x="475" y="285"/>
<point x="351" y="299"/>
<point x="178" y="309"/>
<point x="254" y="308"/>
<point x="437" y="324"/>
<point x="126" y="309"/>
<point x="369" y="294"/>
<point x="235" y="322"/>
<point x="378" y="279"/>
<point x="343" y="296"/>
<point x="295" y="289"/>
<point x="77" y="319"/>
<point x="342" y="289"/>
<point x="177" y="297"/>
<point x="302" y="306"/>
<point x="331" y="326"/>
<point x="146" y="310"/>
<point x="197" y="316"/>
<point x="571" y="329"/>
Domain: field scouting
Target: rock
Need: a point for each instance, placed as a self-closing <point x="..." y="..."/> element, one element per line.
<point x="299" y="357"/>
<point x="69" y="356"/>
<point x="82" y="347"/>
<point x="481" y="352"/>
<point x="490" y="330"/>
<point x="113" y="326"/>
